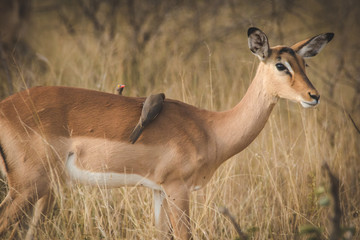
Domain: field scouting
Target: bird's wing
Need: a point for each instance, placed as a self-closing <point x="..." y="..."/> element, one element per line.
<point x="151" y="109"/>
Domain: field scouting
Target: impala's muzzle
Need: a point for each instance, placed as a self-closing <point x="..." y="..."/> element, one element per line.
<point x="315" y="100"/>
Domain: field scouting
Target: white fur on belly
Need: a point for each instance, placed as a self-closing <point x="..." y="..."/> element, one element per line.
<point x="106" y="179"/>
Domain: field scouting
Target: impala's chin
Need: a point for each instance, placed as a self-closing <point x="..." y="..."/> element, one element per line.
<point x="307" y="104"/>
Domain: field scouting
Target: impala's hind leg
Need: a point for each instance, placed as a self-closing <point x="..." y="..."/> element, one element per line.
<point x="22" y="196"/>
<point x="4" y="205"/>
<point x="5" y="202"/>
<point x="15" y="207"/>
<point x="42" y="206"/>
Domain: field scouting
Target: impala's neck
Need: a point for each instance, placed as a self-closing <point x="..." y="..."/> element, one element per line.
<point x="237" y="128"/>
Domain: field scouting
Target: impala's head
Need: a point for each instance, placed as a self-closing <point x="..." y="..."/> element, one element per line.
<point x="285" y="66"/>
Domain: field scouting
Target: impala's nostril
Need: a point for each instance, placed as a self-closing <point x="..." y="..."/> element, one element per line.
<point x="313" y="96"/>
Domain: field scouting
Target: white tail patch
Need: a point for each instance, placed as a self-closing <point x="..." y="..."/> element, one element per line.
<point x="106" y="179"/>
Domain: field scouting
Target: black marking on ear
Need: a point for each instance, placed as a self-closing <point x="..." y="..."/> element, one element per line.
<point x="252" y="30"/>
<point x="316" y="45"/>
<point x="329" y="36"/>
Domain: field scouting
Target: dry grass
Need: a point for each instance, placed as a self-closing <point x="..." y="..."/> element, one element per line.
<point x="269" y="187"/>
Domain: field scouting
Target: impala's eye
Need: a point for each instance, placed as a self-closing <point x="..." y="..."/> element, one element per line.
<point x="280" y="67"/>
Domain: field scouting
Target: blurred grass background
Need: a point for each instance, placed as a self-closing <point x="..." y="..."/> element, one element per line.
<point x="196" y="52"/>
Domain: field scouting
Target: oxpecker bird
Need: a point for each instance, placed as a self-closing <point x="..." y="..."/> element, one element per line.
<point x="120" y="88"/>
<point x="151" y="108"/>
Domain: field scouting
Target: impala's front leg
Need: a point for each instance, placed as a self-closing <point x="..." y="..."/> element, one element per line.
<point x="42" y="206"/>
<point x="161" y="219"/>
<point x="177" y="196"/>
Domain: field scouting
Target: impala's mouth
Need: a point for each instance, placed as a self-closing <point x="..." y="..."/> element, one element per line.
<point x="306" y="104"/>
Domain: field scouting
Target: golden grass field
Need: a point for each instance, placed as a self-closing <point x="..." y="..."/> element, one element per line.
<point x="271" y="186"/>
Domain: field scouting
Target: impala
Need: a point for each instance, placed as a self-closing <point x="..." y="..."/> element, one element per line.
<point x="83" y="136"/>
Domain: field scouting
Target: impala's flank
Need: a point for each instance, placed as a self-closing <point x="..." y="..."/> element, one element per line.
<point x="82" y="135"/>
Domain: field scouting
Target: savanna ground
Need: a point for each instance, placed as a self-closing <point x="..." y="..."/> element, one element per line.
<point x="196" y="52"/>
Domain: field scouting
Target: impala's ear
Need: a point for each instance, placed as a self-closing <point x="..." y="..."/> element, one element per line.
<point x="258" y="43"/>
<point x="312" y="46"/>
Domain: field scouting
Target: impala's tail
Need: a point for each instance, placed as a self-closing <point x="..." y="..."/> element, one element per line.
<point x="136" y="133"/>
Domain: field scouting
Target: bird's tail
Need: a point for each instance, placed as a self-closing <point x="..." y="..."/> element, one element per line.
<point x="136" y="133"/>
